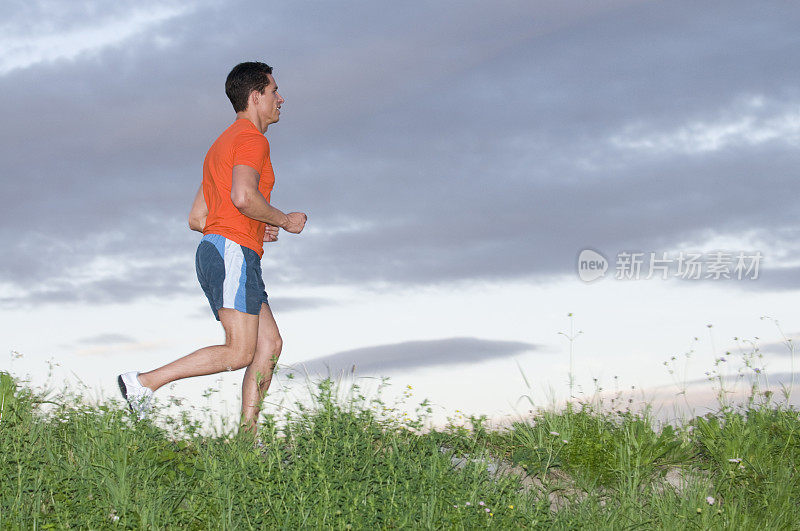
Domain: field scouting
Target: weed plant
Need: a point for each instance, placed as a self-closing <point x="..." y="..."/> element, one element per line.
<point x="357" y="463"/>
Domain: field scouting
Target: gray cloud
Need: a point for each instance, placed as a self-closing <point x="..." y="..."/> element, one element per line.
<point x="417" y="354"/>
<point x="292" y="304"/>
<point x="107" y="339"/>
<point x="781" y="348"/>
<point x="782" y="378"/>
<point x="749" y="378"/>
<point x="278" y="304"/>
<point x="129" y="282"/>
<point x="441" y="144"/>
<point x="775" y="280"/>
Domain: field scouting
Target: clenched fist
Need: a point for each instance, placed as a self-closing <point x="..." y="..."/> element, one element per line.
<point x="296" y="222"/>
<point x="271" y="233"/>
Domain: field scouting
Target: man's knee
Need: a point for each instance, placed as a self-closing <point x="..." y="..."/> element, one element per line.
<point x="273" y="345"/>
<point x="242" y="356"/>
<point x="241" y="336"/>
<point x="269" y="348"/>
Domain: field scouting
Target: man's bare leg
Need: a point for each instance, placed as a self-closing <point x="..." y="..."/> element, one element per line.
<point x="241" y="338"/>
<point x="258" y="375"/>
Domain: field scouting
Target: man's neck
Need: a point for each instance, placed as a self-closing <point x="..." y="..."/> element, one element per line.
<point x="253" y="117"/>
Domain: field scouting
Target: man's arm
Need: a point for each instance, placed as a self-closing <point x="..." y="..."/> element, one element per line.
<point x="199" y="212"/>
<point x="249" y="201"/>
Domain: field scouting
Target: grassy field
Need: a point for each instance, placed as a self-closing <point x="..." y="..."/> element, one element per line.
<point x="351" y="464"/>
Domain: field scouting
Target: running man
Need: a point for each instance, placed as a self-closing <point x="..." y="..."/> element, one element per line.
<point x="232" y="209"/>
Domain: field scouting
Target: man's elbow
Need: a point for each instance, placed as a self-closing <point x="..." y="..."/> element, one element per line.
<point x="241" y="201"/>
<point x="196" y="224"/>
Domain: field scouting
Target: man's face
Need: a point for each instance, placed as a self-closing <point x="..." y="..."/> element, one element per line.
<point x="269" y="102"/>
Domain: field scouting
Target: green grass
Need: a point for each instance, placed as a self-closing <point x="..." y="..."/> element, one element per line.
<point x="342" y="464"/>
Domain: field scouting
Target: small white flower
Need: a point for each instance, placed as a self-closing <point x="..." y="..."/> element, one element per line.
<point x="564" y="441"/>
<point x="735" y="460"/>
<point x="710" y="500"/>
<point x="555" y="433"/>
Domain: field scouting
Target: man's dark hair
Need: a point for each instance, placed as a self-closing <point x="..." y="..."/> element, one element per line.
<point x="244" y="79"/>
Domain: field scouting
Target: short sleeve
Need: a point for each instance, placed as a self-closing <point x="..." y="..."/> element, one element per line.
<point x="251" y="149"/>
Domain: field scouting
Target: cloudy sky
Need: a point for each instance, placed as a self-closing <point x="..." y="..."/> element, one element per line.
<point x="453" y="158"/>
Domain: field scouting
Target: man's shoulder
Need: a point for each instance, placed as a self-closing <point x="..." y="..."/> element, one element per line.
<point x="240" y="127"/>
<point x="238" y="133"/>
<point x="240" y="140"/>
<point x="246" y="132"/>
<point x="250" y="139"/>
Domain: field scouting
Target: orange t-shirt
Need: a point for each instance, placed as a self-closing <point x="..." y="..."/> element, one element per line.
<point x="241" y="143"/>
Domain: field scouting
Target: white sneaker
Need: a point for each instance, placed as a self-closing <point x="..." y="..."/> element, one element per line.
<point x="137" y="395"/>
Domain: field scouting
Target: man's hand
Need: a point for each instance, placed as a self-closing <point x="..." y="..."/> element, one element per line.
<point x="199" y="212"/>
<point x="271" y="233"/>
<point x="295" y="222"/>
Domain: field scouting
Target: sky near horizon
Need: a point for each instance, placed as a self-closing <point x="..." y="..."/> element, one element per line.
<point x="454" y="159"/>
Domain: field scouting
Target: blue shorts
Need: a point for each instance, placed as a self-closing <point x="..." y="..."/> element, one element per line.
<point x="230" y="275"/>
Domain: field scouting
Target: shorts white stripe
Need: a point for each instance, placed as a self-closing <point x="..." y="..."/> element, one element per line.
<point x="234" y="258"/>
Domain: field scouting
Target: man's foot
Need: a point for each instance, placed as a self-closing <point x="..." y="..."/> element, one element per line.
<point x="137" y="395"/>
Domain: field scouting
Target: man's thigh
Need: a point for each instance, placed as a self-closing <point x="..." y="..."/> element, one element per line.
<point x="241" y="329"/>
